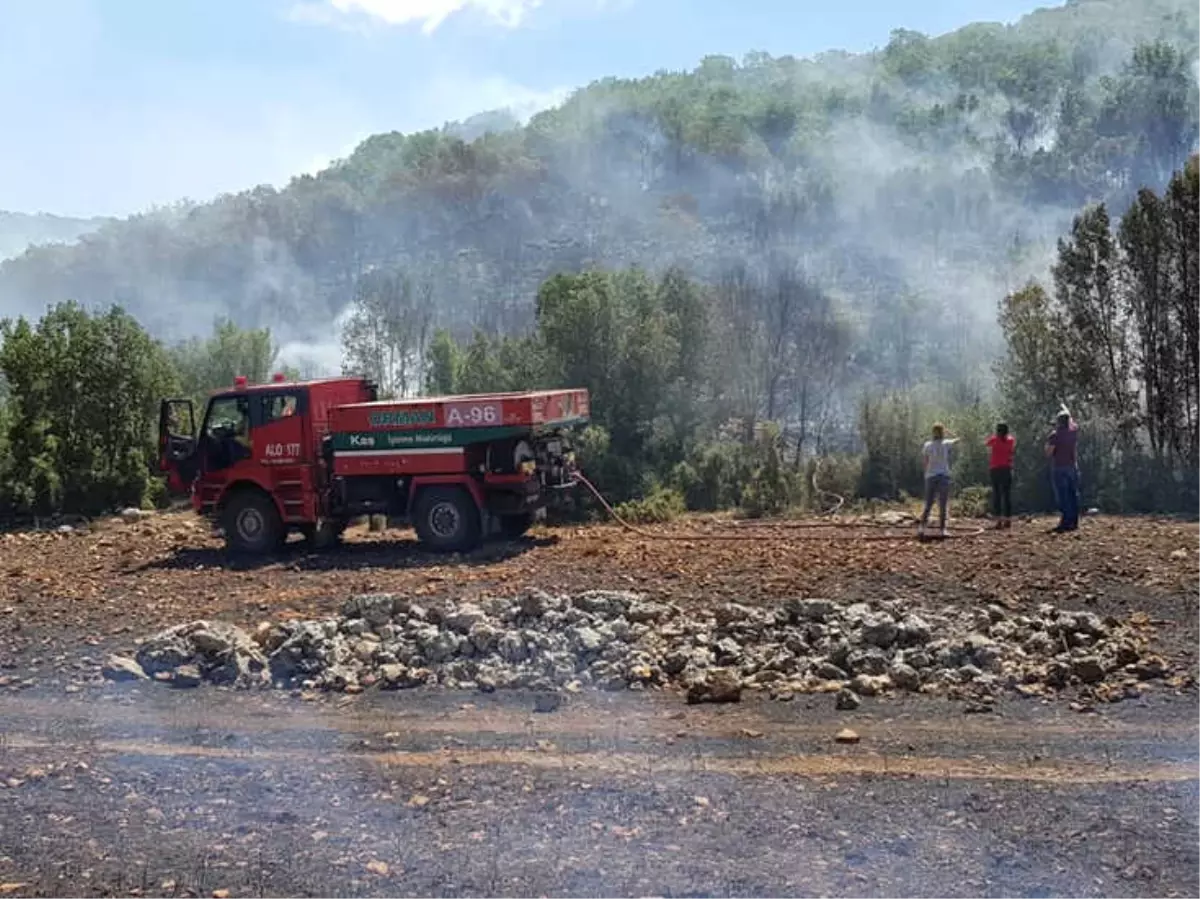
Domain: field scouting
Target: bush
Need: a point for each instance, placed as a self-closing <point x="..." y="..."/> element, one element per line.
<point x="973" y="502"/>
<point x="890" y="427"/>
<point x="713" y="477"/>
<point x="660" y="505"/>
<point x="834" y="474"/>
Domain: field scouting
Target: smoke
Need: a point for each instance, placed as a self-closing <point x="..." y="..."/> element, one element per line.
<point x="884" y="213"/>
<point x="317" y="358"/>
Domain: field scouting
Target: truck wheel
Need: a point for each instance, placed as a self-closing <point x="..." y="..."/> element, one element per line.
<point x="251" y="524"/>
<point x="446" y="519"/>
<point x="514" y="526"/>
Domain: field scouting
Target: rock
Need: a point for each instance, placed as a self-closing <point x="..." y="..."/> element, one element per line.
<point x="846" y="735"/>
<point x="512" y="648"/>
<point x="464" y="618"/>
<point x="133" y="515"/>
<point x="732" y="613"/>
<point x="605" y="602"/>
<point x="913" y="630"/>
<point x="393" y="676"/>
<point x="619" y="640"/>
<point x="728" y="649"/>
<point x="983" y="651"/>
<point x="846" y="701"/>
<point x="675" y="661"/>
<point x="586" y="640"/>
<point x="904" y="676"/>
<point x="535" y="603"/>
<point x="810" y="609"/>
<point x="1151" y="668"/>
<point x="879" y="630"/>
<point x="642" y="611"/>
<point x="186" y="676"/>
<point x="1083" y="622"/>
<point x="716" y="685"/>
<point x="872" y="661"/>
<point x="120" y="668"/>
<point x="211" y="639"/>
<point x="374" y="608"/>
<point x="829" y="671"/>
<point x="870" y="685"/>
<point x="1088" y="669"/>
<point x="484" y="637"/>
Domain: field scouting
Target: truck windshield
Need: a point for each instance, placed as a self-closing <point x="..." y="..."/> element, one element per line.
<point x="227" y="416"/>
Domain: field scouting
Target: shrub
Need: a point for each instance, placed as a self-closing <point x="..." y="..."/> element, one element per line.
<point x="973" y="502"/>
<point x="660" y="505"/>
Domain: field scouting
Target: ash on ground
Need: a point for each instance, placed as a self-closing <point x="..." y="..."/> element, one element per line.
<point x="618" y="640"/>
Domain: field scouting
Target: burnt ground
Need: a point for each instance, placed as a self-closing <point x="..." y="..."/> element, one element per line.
<point x="116" y="789"/>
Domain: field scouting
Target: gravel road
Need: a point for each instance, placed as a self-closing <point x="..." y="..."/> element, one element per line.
<point x="141" y="789"/>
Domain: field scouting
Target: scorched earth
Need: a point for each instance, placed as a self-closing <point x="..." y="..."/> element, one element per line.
<point x="592" y="712"/>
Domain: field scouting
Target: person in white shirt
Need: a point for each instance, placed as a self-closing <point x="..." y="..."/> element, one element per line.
<point x="938" y="457"/>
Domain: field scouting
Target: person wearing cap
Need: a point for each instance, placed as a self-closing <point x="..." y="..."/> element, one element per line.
<point x="938" y="461"/>
<point x="1003" y="447"/>
<point x="1061" y="450"/>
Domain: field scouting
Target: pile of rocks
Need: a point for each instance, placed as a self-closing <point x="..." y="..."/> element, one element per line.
<point x="617" y="640"/>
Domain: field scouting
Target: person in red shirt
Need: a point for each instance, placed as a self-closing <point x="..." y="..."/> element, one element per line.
<point x="1003" y="446"/>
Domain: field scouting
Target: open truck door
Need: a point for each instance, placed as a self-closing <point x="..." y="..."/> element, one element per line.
<point x="177" y="454"/>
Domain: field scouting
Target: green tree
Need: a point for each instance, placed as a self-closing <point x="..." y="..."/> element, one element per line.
<point x="1149" y="114"/>
<point x="443" y="365"/>
<point x="212" y="363"/>
<point x="1034" y="380"/>
<point x="386" y="334"/>
<point x="84" y="394"/>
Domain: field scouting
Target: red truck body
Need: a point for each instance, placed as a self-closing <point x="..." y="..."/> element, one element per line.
<point x="311" y="456"/>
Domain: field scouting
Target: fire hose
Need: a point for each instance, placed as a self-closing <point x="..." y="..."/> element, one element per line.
<point x="831" y="527"/>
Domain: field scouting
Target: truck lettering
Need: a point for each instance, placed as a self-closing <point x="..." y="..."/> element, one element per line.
<point x="402" y="418"/>
<point x="421" y="438"/>
<point x="364" y="440"/>
<point x="281" y="450"/>
<point x="472" y="415"/>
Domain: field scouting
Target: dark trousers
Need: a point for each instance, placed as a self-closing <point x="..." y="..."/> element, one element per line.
<point x="937" y="489"/>
<point x="1066" y="492"/>
<point x="1002" y="492"/>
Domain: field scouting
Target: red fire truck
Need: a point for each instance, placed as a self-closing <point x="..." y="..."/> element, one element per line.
<point x="312" y="456"/>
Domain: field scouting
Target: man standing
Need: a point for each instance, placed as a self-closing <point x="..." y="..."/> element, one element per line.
<point x="938" y="462"/>
<point x="1002" y="445"/>
<point x="1064" y="470"/>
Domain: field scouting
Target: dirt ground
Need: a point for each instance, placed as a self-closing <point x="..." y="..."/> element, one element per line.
<point x="112" y="789"/>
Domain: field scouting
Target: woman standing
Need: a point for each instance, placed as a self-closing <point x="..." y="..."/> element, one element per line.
<point x="938" y="463"/>
<point x="1003" y="447"/>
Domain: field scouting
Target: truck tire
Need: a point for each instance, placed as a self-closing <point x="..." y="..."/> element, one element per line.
<point x="446" y="519"/>
<point x="514" y="526"/>
<point x="251" y="523"/>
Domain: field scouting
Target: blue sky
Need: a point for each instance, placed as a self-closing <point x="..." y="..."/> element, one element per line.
<point x="111" y="106"/>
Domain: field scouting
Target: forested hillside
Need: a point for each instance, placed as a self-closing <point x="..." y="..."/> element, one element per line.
<point x="919" y="181"/>
<point x="19" y="231"/>
<point x="750" y="265"/>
